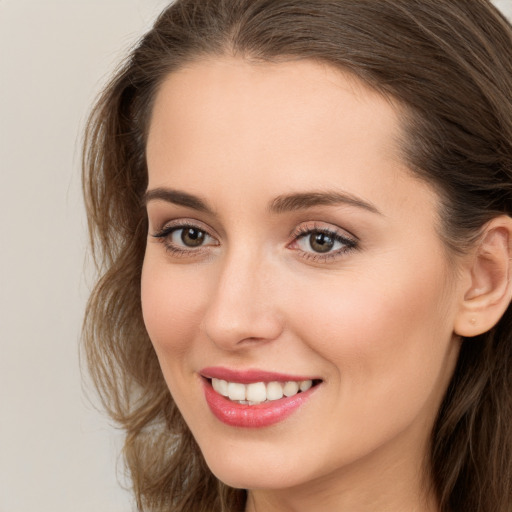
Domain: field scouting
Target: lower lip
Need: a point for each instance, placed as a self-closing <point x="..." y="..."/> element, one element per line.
<point x="253" y="416"/>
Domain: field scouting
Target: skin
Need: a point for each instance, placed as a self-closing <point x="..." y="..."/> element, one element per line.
<point x="374" y="322"/>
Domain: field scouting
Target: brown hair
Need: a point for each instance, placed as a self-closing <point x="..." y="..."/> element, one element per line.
<point x="449" y="65"/>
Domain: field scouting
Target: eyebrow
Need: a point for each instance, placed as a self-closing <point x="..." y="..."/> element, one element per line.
<point x="281" y="204"/>
<point x="177" y="197"/>
<point x="305" y="200"/>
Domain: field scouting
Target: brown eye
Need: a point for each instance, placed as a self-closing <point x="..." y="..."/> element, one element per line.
<point x="192" y="237"/>
<point x="321" y="242"/>
<point x="186" y="240"/>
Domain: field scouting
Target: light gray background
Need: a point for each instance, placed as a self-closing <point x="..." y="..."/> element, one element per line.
<point x="57" y="453"/>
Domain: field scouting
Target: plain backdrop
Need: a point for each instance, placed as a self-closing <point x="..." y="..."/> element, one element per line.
<point x="57" y="452"/>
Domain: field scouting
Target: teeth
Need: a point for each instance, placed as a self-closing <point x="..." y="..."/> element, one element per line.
<point x="221" y="386"/>
<point x="236" y="391"/>
<point x="259" y="392"/>
<point x="274" y="391"/>
<point x="256" y="392"/>
<point x="305" y="385"/>
<point x="290" y="388"/>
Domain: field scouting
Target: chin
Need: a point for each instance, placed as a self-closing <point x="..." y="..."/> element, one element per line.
<point x="255" y="478"/>
<point x="258" y="470"/>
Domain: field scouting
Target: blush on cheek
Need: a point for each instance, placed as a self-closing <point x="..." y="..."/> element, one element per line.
<point x="169" y="312"/>
<point x="378" y="324"/>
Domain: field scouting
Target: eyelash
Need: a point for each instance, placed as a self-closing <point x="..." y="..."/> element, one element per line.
<point x="300" y="233"/>
<point x="164" y="236"/>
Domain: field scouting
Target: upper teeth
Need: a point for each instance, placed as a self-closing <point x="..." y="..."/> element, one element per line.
<point x="259" y="392"/>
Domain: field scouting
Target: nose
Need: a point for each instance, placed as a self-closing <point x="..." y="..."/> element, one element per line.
<point x="242" y="307"/>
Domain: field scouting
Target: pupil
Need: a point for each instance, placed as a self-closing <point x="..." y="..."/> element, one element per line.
<point x="192" y="237"/>
<point x="320" y="242"/>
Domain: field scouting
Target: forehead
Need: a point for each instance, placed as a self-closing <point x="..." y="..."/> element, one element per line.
<point x="275" y="127"/>
<point x="237" y="101"/>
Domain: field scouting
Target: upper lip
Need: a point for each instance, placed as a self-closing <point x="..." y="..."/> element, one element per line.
<point x="250" y="375"/>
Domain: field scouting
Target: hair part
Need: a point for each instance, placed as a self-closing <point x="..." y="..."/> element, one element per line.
<point x="449" y="67"/>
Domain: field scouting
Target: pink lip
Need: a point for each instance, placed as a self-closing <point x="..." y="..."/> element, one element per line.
<point x="251" y="416"/>
<point x="249" y="376"/>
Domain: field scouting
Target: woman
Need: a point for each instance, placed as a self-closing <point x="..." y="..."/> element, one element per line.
<point x="300" y="210"/>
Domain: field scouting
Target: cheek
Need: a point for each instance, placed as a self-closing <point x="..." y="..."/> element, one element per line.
<point x="382" y="334"/>
<point x="171" y="301"/>
<point x="373" y="318"/>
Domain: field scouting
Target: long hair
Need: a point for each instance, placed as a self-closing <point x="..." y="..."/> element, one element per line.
<point x="448" y="64"/>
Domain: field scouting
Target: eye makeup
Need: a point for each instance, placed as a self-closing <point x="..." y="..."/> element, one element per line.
<point x="185" y="238"/>
<point x="320" y="243"/>
<point x="312" y="241"/>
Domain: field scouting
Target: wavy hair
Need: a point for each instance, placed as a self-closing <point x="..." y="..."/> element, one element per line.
<point x="448" y="64"/>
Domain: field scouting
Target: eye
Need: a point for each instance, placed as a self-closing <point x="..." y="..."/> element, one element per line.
<point x="185" y="239"/>
<point x="318" y="242"/>
<point x="321" y="243"/>
<point x="189" y="237"/>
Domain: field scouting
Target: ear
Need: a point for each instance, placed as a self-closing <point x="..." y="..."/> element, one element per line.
<point x="488" y="289"/>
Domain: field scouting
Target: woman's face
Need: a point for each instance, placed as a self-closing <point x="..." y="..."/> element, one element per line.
<point x="288" y="242"/>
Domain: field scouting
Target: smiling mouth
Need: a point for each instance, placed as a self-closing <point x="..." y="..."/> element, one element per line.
<point x="255" y="398"/>
<point x="257" y="393"/>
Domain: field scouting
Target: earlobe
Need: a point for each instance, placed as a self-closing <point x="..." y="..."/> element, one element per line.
<point x="489" y="292"/>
